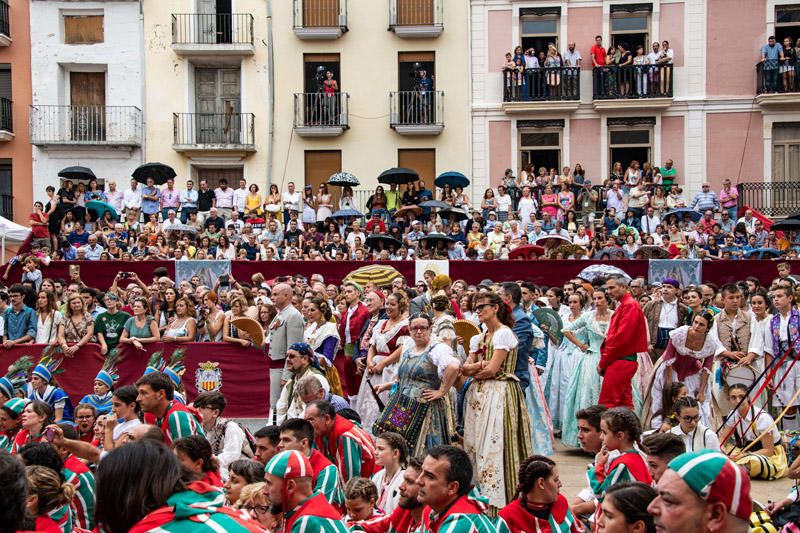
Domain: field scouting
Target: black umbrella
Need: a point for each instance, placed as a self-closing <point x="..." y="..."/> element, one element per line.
<point x="77" y="173"/>
<point x="158" y="171"/>
<point x="343" y="179"/>
<point x="435" y="204"/>
<point x="453" y="213"/>
<point x="373" y="241"/>
<point x="792" y="224"/>
<point x="433" y="240"/>
<point x="453" y="179"/>
<point x="399" y="176"/>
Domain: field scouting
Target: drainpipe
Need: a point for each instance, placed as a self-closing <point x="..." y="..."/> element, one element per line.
<point x="271" y="92"/>
<point x="142" y="151"/>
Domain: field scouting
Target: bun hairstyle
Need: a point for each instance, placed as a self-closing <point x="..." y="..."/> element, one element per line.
<point x="685" y="402"/>
<point x="323" y="307"/>
<point x="531" y="470"/>
<point x="623" y="419"/>
<point x="46" y="485"/>
<point x="504" y="313"/>
<point x="440" y="303"/>
<point x="402" y="300"/>
<point x="708" y="316"/>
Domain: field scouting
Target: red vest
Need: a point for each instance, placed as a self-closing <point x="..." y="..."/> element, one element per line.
<point x="400" y="521"/>
<point x="318" y="462"/>
<point x="357" y="321"/>
<point x="519" y="520"/>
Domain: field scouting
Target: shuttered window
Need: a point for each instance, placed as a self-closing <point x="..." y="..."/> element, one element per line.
<point x="83" y="29"/>
<point x="5" y="81"/>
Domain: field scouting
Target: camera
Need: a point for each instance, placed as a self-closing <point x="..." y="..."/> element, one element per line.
<point x="124" y="275"/>
<point x="319" y="76"/>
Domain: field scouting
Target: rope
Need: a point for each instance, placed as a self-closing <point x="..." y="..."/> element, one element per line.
<point x="775" y="423"/>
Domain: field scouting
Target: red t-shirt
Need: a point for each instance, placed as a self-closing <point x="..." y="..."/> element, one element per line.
<point x="39" y="232"/>
<point x="599" y="54"/>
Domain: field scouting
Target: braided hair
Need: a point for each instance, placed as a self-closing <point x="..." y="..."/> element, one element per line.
<point x="531" y="470"/>
<point x="624" y="420"/>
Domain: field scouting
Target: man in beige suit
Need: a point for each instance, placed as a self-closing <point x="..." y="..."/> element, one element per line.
<point x="284" y="330"/>
<point x="663" y="315"/>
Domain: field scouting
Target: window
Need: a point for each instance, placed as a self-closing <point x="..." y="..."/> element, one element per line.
<point x="787" y="22"/>
<point x="314" y="68"/>
<point x="630" y="24"/>
<point x="540" y="144"/>
<point x="6" y="195"/>
<point x="83" y="29"/>
<point x="422" y="161"/>
<point x="319" y="166"/>
<point x="409" y="65"/>
<point x="539" y="27"/>
<point x="630" y="139"/>
<point x="213" y="175"/>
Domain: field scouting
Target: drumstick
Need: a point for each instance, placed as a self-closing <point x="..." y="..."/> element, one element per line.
<point x="775" y="423"/>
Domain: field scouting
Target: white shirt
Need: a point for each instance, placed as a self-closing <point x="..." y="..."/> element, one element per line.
<point x="47" y="331"/>
<point x="669" y="315"/>
<point x="503" y="203"/>
<point x="125" y="427"/>
<point x="351" y="239"/>
<point x="115" y="199"/>
<point x="571" y="58"/>
<point x="531" y="61"/>
<point x="240" y="199"/>
<point x="700" y="438"/>
<point x="649" y="224"/>
<point x="224" y="198"/>
<point x="291" y="200"/>
<point x="132" y="199"/>
<point x="388" y="494"/>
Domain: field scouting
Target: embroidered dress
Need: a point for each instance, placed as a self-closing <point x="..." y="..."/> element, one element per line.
<point x="422" y="371"/>
<point x="687" y="366"/>
<point x="746" y="431"/>
<point x="561" y="368"/>
<point x="324" y="340"/>
<point x="498" y="438"/>
<point x="385" y="339"/>
<point x="584" y="385"/>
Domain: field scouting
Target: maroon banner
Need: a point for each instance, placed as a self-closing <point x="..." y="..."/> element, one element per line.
<point x="242" y="374"/>
<point x="100" y="274"/>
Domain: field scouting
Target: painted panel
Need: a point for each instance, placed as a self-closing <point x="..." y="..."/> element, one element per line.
<point x="729" y="135"/>
<point x="584" y="147"/>
<point x="731" y="61"/>
<point x="499" y="150"/>
<point x="499" y="39"/>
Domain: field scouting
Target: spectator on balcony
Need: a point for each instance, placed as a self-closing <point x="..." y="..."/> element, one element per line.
<point x="598" y="53"/>
<point x="705" y="200"/>
<point x="132" y="199"/>
<point x="151" y="198"/>
<point x="788" y="64"/>
<point x="531" y="61"/>
<point x="331" y="87"/>
<point x="223" y="196"/>
<point x="553" y="65"/>
<point x="641" y="71"/>
<point x="572" y="59"/>
<point x="188" y="201"/>
<point x="625" y="60"/>
<point x="771" y="59"/>
<point x="510" y="75"/>
<point x="728" y="198"/>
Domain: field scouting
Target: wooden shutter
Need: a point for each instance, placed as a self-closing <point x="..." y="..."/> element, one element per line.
<point x="213" y="175"/>
<point x="5" y="81"/>
<point x="83" y="29"/>
<point x="320" y="13"/>
<point x="319" y="166"/>
<point x="422" y="161"/>
<point x="414" y="12"/>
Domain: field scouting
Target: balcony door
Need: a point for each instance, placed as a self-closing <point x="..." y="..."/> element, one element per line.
<point x="214" y="23"/>
<point x="540" y="148"/>
<point x="321" y="165"/>
<point x="320" y="13"/>
<point x="422" y="161"/>
<point x="88" y="100"/>
<point x="217" y="106"/>
<point x="414" y="12"/>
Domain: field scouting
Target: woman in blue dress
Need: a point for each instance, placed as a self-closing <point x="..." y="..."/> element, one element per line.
<point x="588" y="334"/>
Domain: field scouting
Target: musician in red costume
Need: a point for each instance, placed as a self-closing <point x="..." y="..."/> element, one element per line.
<point x="627" y="335"/>
<point x="350" y="326"/>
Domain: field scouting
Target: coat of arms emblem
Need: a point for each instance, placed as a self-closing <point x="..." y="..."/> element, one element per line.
<point x="208" y="377"/>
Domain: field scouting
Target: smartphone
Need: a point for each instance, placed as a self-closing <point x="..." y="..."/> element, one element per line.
<point x="223" y="281"/>
<point x="49" y="434"/>
<point x="124" y="275"/>
<point x="75" y="271"/>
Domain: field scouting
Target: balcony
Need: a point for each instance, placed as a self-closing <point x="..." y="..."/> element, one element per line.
<point x="86" y="125"/>
<point x="7" y="206"/>
<point x="416" y="19"/>
<point x="632" y="87"/>
<point x="6" y="123"/>
<point x="775" y="199"/>
<point x="214" y="132"/>
<point x="319" y="115"/>
<point x="539" y="89"/>
<point x="215" y="33"/>
<point x="320" y="19"/>
<point x="774" y="87"/>
<point x="416" y="113"/>
<point x="5" y="27"/>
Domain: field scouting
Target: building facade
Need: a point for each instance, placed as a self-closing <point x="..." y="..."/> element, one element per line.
<point x="207" y="88"/>
<point x="708" y="108"/>
<point x="402" y="89"/>
<point x="16" y="190"/>
<point x="87" y="68"/>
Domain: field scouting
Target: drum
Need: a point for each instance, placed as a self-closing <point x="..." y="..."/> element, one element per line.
<point x="744" y="374"/>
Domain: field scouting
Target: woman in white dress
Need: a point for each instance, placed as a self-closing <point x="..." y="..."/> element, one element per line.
<point x="48" y="318"/>
<point x="324" y="203"/>
<point x="561" y="367"/>
<point x="385" y="348"/>
<point x="526" y="206"/>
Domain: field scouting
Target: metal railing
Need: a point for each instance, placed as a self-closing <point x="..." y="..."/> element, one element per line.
<point x="321" y="110"/>
<point x="416" y="13"/>
<point x="778" y="76"/>
<point x="773" y="199"/>
<point x="632" y="81"/>
<point x="212" y="28"/>
<point x="5" y="26"/>
<point x="7" y="206"/>
<point x="221" y="129"/>
<point x="320" y="13"/>
<point x="416" y="108"/>
<point x="542" y="84"/>
<point x="85" y="124"/>
<point x="6" y="122"/>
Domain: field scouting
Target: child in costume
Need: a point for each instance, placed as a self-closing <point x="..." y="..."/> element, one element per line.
<point x="44" y="388"/>
<point x="104" y="385"/>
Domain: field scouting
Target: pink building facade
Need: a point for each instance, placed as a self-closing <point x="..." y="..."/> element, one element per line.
<point x="708" y="110"/>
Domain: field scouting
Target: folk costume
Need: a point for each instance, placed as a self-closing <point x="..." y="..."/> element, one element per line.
<point x="521" y="517"/>
<point x="626" y="336"/>
<point x="350" y="448"/>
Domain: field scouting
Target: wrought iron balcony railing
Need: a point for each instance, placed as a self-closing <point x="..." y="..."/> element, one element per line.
<point x="632" y="82"/>
<point x="318" y="110"/>
<point x="86" y="124"/>
<point x="416" y="108"/>
<point x="212" y="29"/>
<point x="541" y="84"/>
<point x="214" y="130"/>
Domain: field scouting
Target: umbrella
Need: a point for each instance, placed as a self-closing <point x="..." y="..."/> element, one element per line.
<point x="380" y="275"/>
<point x="550" y="323"/>
<point x="794" y="216"/>
<point x="453" y="213"/>
<point x="399" y="176"/>
<point x="342" y="213"/>
<point x="551" y="241"/>
<point x="594" y="271"/>
<point x="79" y="213"/>
<point x="373" y="241"/>
<point x="251" y="327"/>
<point x="435" y="204"/>
<point x="525" y="252"/>
<point x="181" y="227"/>
<point x="77" y="173"/>
<point x="694" y="215"/>
<point x="158" y="171"/>
<point x="101" y="208"/>
<point x="453" y="179"/>
<point x="406" y="209"/>
<point x="433" y="241"/>
<point x="610" y="250"/>
<point x="651" y="251"/>
<point x="343" y="179"/>
<point x="792" y="224"/>
<point x="759" y="253"/>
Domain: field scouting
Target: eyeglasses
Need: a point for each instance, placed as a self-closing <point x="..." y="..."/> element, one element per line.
<point x="259" y="509"/>
<point x="690" y="418"/>
<point x="84" y="417"/>
<point x="481" y="306"/>
<point x="419" y="328"/>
